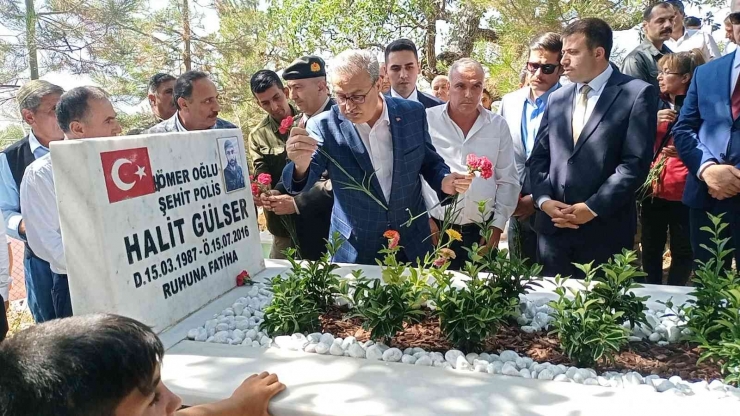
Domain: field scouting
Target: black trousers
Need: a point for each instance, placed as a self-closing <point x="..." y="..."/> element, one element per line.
<point x="699" y="219"/>
<point x="470" y="234"/>
<point x="3" y="320"/>
<point x="661" y="217"/>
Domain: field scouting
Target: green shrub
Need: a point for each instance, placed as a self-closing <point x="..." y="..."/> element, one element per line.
<point x="726" y="351"/>
<point x="290" y="310"/>
<point x="322" y="284"/>
<point x="587" y="331"/>
<point x="614" y="281"/>
<point x="469" y="315"/>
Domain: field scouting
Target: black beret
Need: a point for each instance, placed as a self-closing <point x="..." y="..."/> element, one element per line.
<point x="305" y="67"/>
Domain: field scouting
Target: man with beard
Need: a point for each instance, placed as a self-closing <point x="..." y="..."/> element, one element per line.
<point x="82" y="113"/>
<point x="685" y="39"/>
<point x="642" y="62"/>
<point x="196" y="99"/>
<point x="161" y="87"/>
<point x="233" y="175"/>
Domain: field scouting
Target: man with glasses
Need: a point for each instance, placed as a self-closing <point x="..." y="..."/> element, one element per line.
<point x="375" y="149"/>
<point x="196" y="100"/>
<point x="523" y="110"/>
<point x="708" y="141"/>
<point x="642" y="62"/>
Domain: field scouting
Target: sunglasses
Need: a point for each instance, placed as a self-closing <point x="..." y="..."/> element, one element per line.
<point x="546" y="69"/>
<point x="735" y="18"/>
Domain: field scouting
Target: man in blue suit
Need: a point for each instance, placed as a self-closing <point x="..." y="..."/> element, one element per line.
<point x="369" y="138"/>
<point x="707" y="137"/>
<point x="593" y="151"/>
<point x="402" y="67"/>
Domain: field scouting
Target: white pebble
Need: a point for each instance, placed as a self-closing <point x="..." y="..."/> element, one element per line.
<point x="356" y="351"/>
<point x="590" y="382"/>
<point x="310" y="348"/>
<point x="314" y="337"/>
<point x="717" y="385"/>
<point x="634" y="339"/>
<point x="202" y="336"/>
<point x="193" y="333"/>
<point x="654" y="337"/>
<point x="480" y="366"/>
<point x="408" y="351"/>
<point x="508" y="355"/>
<point x="374" y="352"/>
<point x="255" y="344"/>
<point x="392" y="355"/>
<point x="424" y="361"/>
<point x="284" y="342"/>
<point x="327" y="338"/>
<point x="528" y="329"/>
<point x="422" y="354"/>
<point x="510" y="370"/>
<point x="634" y="378"/>
<point x="663" y="343"/>
<point x="265" y="341"/>
<point x="452" y="355"/>
<point x="238" y="334"/>
<point x="323" y="348"/>
<point x="471" y="357"/>
<point x="408" y="359"/>
<point x="525" y="373"/>
<point x="545" y="374"/>
<point x="336" y="350"/>
<point x="462" y="364"/>
<point x="495" y="367"/>
<point x="562" y="377"/>
<point x="664" y="385"/>
<point x="222" y="327"/>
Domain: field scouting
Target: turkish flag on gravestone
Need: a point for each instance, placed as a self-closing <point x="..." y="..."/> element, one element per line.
<point x="128" y="173"/>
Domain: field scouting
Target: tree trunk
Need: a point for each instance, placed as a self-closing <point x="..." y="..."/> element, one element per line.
<point x="186" y="35"/>
<point x="33" y="62"/>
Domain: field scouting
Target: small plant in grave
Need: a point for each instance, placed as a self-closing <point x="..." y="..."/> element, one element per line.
<point x="614" y="285"/>
<point x="386" y="304"/>
<point x="587" y="331"/>
<point x="726" y="351"/>
<point x="712" y="285"/>
<point x="290" y="310"/>
<point x="322" y="284"/>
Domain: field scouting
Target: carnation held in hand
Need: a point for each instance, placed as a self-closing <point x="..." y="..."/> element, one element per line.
<point x="261" y="185"/>
<point x="480" y="165"/>
<point x="286" y="124"/>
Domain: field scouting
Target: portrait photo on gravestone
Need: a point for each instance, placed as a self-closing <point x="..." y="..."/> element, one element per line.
<point x="231" y="164"/>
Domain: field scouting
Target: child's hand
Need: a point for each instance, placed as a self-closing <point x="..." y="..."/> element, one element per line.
<point x="255" y="393"/>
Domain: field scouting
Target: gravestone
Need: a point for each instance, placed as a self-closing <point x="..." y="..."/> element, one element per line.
<point x="155" y="226"/>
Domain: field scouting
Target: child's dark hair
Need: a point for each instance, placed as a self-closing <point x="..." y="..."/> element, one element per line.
<point x="80" y="366"/>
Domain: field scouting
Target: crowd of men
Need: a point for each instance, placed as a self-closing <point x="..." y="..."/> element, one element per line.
<point x="368" y="152"/>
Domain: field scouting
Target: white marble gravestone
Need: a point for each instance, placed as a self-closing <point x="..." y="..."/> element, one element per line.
<point x="155" y="226"/>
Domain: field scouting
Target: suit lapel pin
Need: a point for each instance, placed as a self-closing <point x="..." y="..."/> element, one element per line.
<point x="398" y="118"/>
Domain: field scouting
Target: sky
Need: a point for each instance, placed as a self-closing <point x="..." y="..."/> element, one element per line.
<point x="623" y="40"/>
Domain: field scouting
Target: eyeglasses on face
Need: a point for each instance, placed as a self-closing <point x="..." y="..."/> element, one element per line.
<point x="546" y="69"/>
<point x="356" y="99"/>
<point x="664" y="73"/>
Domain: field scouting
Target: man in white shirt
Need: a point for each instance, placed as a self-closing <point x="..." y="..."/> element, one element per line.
<point x="441" y="87"/>
<point x="402" y="67"/>
<point x="684" y="40"/>
<point x="463" y="127"/>
<point x="83" y="112"/>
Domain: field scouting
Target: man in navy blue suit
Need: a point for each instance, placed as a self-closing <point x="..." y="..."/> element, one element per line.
<point x="707" y="137"/>
<point x="592" y="152"/>
<point x="402" y="67"/>
<point x="370" y="138"/>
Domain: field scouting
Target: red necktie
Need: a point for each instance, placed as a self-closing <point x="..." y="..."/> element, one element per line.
<point x="735" y="100"/>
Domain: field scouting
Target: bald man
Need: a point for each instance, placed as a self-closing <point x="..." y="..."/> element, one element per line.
<point x="441" y="87"/>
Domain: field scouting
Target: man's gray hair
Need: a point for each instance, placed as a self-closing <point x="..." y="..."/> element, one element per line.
<point x="29" y="96"/>
<point x="466" y="63"/>
<point x="354" y="61"/>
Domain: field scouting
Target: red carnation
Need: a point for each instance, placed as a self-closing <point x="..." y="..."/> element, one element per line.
<point x="255" y="190"/>
<point x="479" y="164"/>
<point x="286" y="124"/>
<point x="243" y="278"/>
<point x="264" y="179"/>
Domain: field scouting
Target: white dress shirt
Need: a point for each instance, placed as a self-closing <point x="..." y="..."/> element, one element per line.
<point x="4" y="264"/>
<point x="41" y="215"/>
<point x="597" y="87"/>
<point x="695" y="39"/>
<point x="379" y="145"/>
<point x="413" y="97"/>
<point x="489" y="137"/>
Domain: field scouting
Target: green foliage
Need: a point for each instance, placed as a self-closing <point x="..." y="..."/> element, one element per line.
<point x="470" y="314"/>
<point x="291" y="310"/>
<point x="321" y="281"/>
<point x="386" y="304"/>
<point x="613" y="285"/>
<point x="713" y="286"/>
<point x="10" y="135"/>
<point x="587" y="331"/>
<point x="512" y="276"/>
<point x="727" y="350"/>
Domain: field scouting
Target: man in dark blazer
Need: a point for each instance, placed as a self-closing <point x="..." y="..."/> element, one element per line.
<point x="593" y="152"/>
<point x="707" y="137"/>
<point x="402" y="67"/>
<point x="371" y="139"/>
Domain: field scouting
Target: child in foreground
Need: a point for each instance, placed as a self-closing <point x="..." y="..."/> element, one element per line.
<point x="97" y="365"/>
